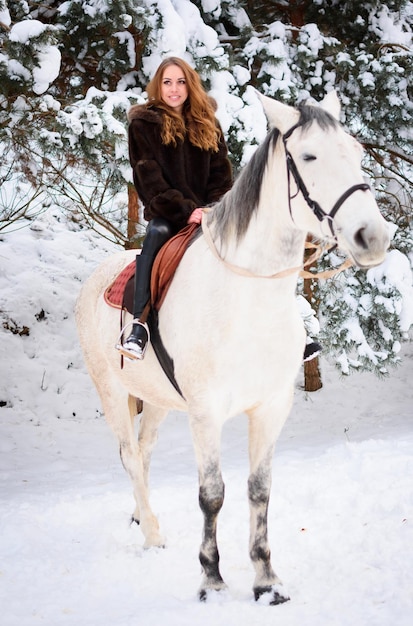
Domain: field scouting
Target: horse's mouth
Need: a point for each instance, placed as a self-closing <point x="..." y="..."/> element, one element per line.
<point x="366" y="266"/>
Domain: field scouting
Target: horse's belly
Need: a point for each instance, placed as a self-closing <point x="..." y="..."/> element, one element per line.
<point x="243" y="371"/>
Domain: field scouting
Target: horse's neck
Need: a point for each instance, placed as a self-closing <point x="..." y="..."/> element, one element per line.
<point x="272" y="242"/>
<point x="269" y="247"/>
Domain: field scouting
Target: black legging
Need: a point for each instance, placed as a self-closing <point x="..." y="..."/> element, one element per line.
<point x="158" y="232"/>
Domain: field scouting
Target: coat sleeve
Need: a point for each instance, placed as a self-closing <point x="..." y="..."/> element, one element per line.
<point x="160" y="199"/>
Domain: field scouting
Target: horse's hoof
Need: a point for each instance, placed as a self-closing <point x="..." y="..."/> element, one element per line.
<point x="153" y="540"/>
<point x="158" y="544"/>
<point x="210" y="593"/>
<point x="270" y="595"/>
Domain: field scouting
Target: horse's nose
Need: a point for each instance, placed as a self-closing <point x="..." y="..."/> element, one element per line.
<point x="370" y="245"/>
<point x="360" y="238"/>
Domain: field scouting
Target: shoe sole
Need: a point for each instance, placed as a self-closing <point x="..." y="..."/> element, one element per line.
<point x="132" y="356"/>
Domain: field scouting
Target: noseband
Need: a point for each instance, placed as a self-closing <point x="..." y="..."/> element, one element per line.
<point x="320" y="214"/>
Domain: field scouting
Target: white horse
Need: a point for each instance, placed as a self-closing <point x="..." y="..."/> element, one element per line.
<point x="230" y="321"/>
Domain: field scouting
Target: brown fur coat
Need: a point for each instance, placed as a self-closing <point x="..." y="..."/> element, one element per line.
<point x="173" y="181"/>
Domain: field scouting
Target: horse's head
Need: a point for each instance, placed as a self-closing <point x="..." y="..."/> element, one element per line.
<point x="327" y="194"/>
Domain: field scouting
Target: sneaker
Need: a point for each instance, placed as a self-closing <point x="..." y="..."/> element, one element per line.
<point x="134" y="347"/>
<point x="312" y="350"/>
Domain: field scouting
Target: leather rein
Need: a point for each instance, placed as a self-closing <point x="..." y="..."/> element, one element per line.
<point x="321" y="215"/>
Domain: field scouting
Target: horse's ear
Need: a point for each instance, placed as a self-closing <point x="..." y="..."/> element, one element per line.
<point x="331" y="104"/>
<point x="279" y="115"/>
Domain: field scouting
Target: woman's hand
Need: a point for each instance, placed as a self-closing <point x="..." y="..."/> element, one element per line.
<point x="196" y="216"/>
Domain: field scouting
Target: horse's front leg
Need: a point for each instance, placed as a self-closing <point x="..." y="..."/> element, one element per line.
<point x="206" y="440"/>
<point x="263" y="433"/>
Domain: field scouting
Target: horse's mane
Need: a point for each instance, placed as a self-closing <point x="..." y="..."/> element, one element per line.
<point x="234" y="211"/>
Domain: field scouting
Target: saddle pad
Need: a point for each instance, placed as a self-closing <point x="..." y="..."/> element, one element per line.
<point x="115" y="292"/>
<point x="120" y="293"/>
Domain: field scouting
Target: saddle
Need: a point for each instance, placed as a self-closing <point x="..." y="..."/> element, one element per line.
<point x="119" y="294"/>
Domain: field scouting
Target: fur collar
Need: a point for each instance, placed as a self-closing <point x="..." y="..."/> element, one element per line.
<point x="144" y="112"/>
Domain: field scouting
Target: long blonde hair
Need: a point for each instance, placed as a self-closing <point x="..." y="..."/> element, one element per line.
<point x="198" y="114"/>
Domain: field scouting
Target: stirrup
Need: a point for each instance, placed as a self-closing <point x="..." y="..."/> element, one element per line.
<point x="132" y="352"/>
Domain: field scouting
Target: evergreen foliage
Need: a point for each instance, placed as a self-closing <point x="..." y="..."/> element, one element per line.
<point x="70" y="70"/>
<point x="365" y="318"/>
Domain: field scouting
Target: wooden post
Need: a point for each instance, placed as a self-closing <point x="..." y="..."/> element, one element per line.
<point x="312" y="378"/>
<point x="312" y="375"/>
<point x="133" y="217"/>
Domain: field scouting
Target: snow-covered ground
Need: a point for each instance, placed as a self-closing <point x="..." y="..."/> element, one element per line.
<point x="341" y="513"/>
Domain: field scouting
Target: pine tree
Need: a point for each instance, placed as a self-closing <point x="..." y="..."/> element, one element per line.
<point x="61" y="127"/>
<point x="69" y="71"/>
<point x="368" y="316"/>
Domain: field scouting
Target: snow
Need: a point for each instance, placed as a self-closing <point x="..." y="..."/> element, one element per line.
<point x="48" y="60"/>
<point x="25" y="30"/>
<point x="396" y="269"/>
<point x="5" y="18"/>
<point x="341" y="512"/>
<point x="384" y="27"/>
<point x="48" y="70"/>
<point x="15" y="68"/>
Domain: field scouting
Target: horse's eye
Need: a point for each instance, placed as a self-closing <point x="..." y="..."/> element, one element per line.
<point x="309" y="157"/>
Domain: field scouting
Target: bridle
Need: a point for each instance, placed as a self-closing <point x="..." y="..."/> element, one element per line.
<point x="320" y="214"/>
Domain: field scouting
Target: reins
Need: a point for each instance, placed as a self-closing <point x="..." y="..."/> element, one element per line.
<point x="242" y="271"/>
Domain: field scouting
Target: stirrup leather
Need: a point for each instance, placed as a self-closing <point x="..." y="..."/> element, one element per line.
<point x="129" y="354"/>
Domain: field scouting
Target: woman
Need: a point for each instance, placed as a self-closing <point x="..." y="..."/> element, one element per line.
<point x="180" y="163"/>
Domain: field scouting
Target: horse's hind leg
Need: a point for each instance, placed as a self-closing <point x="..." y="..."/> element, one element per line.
<point x="262" y="437"/>
<point x="149" y="423"/>
<point x="120" y="413"/>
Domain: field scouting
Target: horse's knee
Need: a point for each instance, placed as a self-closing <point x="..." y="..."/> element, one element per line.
<point x="211" y="498"/>
<point x="259" y="485"/>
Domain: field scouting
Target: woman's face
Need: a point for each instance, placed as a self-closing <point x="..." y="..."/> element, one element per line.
<point x="174" y="91"/>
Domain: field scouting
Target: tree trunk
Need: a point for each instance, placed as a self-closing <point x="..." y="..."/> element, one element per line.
<point x="312" y="375"/>
<point x="312" y="378"/>
<point x="133" y="217"/>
